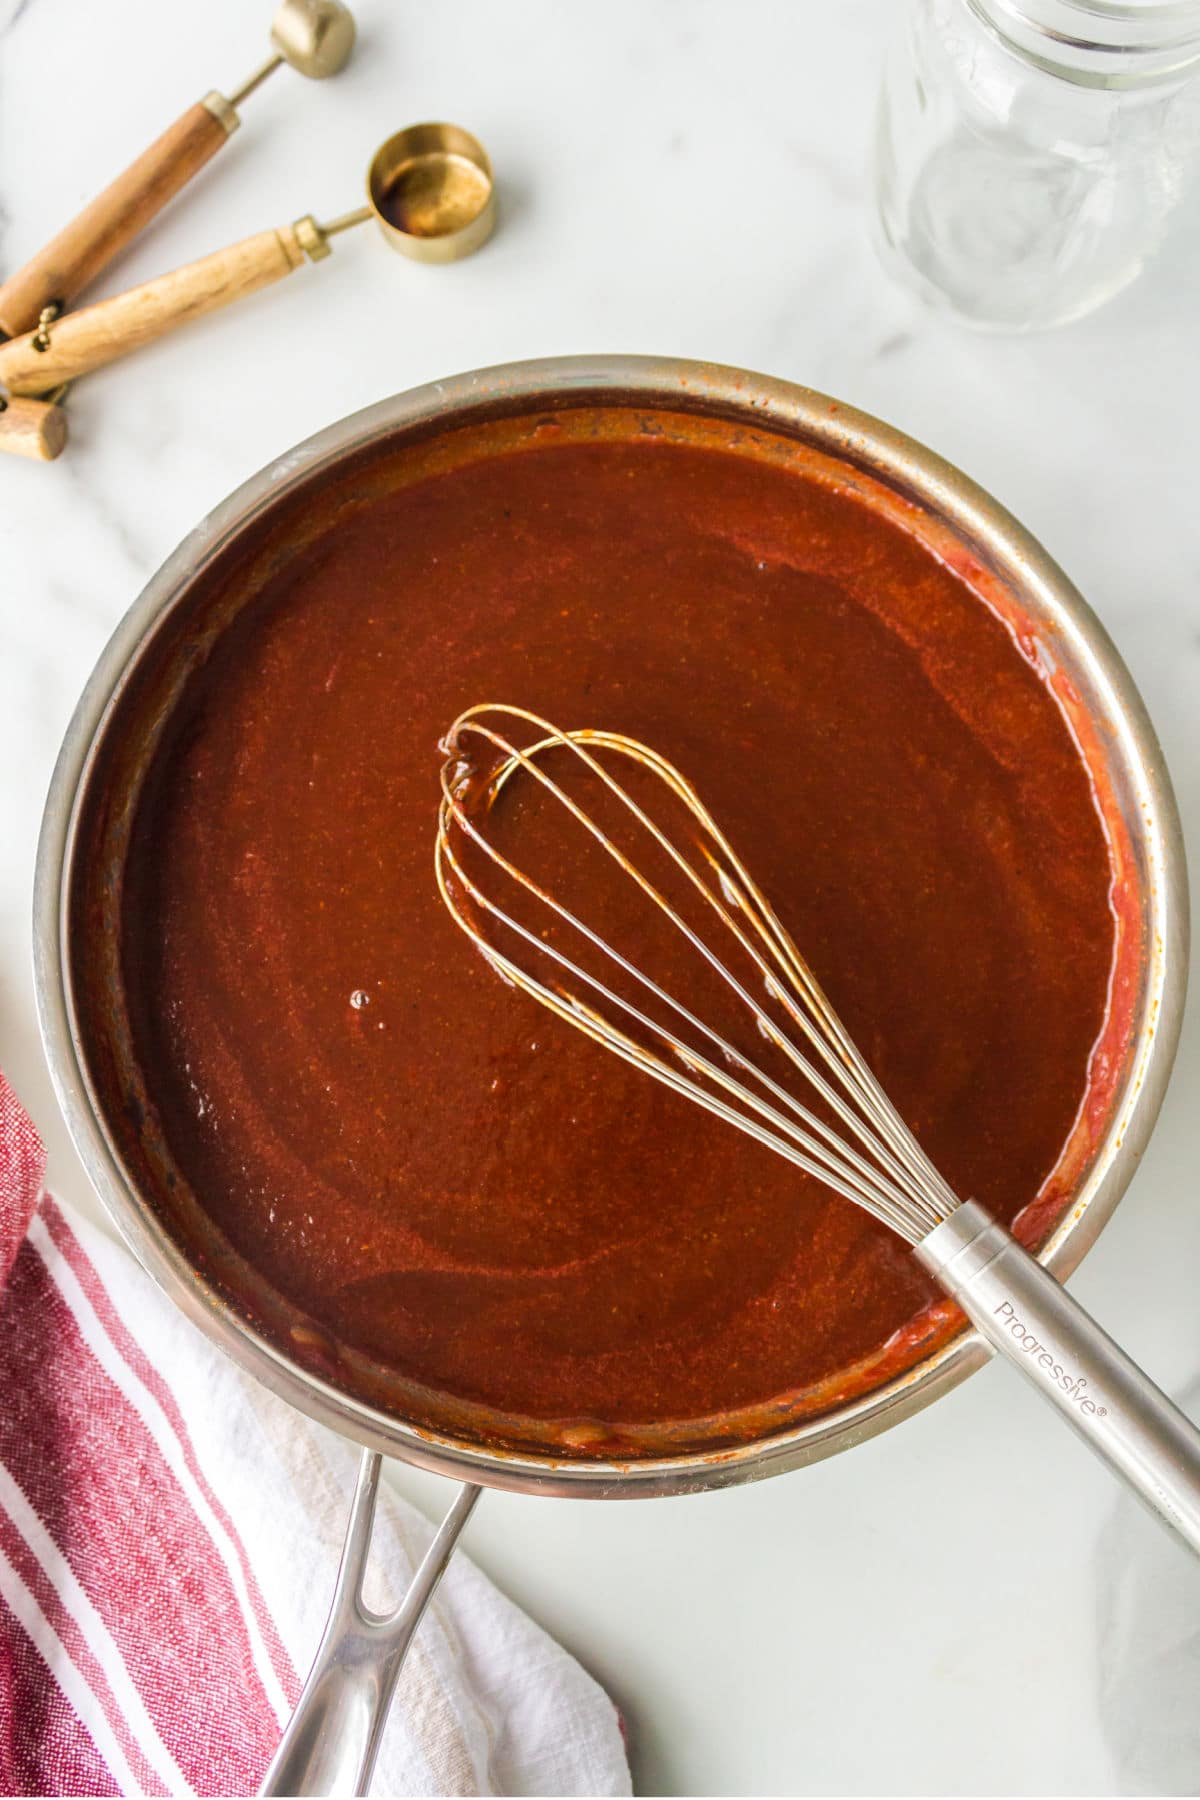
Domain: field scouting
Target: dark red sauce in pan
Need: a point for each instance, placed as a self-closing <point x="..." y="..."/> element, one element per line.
<point x="435" y="1178"/>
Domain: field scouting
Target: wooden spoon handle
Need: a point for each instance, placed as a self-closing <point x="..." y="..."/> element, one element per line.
<point x="69" y="261"/>
<point x="100" y="334"/>
<point x="33" y="428"/>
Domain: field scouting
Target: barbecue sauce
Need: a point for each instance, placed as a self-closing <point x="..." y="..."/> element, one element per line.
<point x="442" y="1182"/>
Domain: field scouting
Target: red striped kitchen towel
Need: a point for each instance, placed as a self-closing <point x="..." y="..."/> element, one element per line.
<point x="169" y="1533"/>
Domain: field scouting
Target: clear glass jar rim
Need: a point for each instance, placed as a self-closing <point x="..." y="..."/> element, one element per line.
<point x="1146" y="39"/>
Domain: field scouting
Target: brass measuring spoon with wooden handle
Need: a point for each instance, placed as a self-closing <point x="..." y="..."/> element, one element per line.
<point x="314" y="36"/>
<point x="429" y="189"/>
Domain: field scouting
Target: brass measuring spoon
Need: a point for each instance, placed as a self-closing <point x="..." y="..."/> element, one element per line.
<point x="429" y="188"/>
<point x="314" y="37"/>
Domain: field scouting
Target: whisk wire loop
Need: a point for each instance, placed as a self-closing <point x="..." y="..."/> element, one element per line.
<point x="840" y="1151"/>
<point x="894" y="1180"/>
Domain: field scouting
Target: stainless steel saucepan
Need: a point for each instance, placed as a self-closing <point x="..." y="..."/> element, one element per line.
<point x="330" y="1746"/>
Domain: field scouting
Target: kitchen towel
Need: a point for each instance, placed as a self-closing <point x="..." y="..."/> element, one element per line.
<point x="169" y="1536"/>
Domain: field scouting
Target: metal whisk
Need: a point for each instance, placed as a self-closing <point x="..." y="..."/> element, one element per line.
<point x="858" y="1145"/>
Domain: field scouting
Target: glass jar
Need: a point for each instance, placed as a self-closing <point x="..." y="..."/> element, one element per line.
<point x="1029" y="152"/>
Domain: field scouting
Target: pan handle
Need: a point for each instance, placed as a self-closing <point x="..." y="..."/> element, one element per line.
<point x="332" y="1740"/>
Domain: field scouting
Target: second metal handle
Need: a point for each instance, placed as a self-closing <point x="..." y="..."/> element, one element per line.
<point x="1035" y="1323"/>
<point x="332" y="1740"/>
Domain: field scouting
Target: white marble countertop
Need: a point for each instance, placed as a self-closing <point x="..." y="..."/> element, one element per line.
<point x="931" y="1613"/>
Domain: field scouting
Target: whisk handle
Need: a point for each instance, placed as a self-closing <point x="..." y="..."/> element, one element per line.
<point x="1035" y="1323"/>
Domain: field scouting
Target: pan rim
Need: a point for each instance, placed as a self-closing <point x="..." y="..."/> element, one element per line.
<point x="850" y="435"/>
